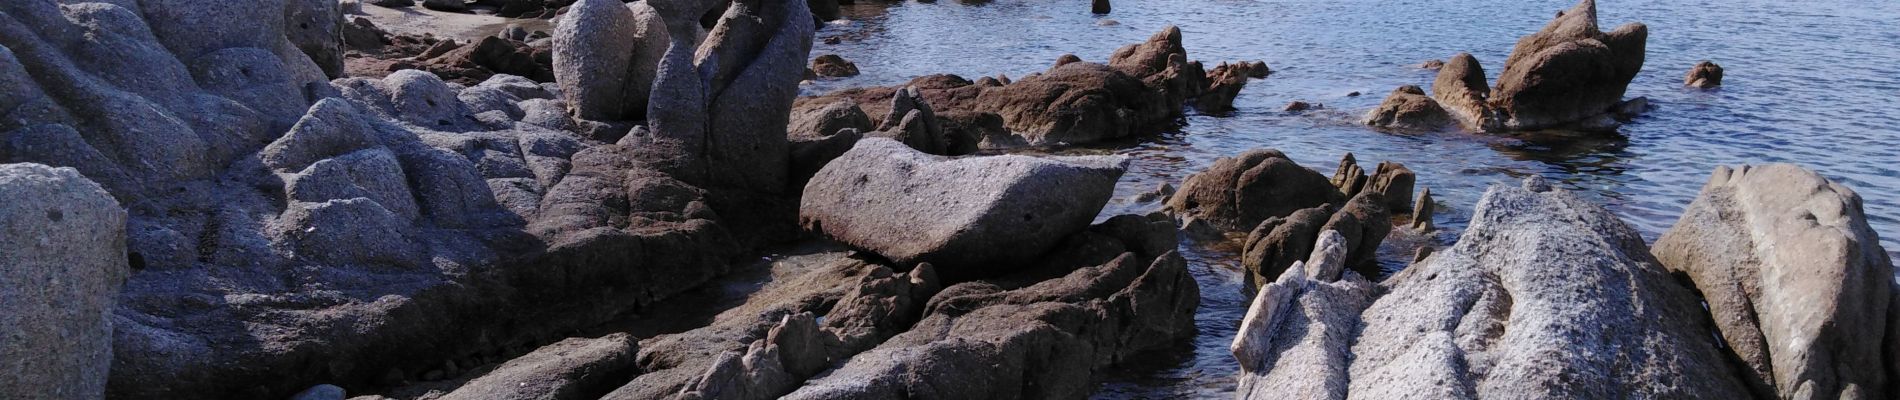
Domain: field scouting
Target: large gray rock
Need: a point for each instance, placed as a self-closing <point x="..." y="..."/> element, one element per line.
<point x="606" y="54"/>
<point x="1408" y="109"/>
<point x="1239" y="192"/>
<point x="1545" y="293"/>
<point x="1795" y="278"/>
<point x="969" y="217"/>
<point x="723" y="104"/>
<point x="1291" y="342"/>
<point x="60" y="272"/>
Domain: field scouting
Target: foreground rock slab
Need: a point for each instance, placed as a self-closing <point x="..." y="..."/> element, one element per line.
<point x="1544" y="294"/>
<point x="968" y="216"/>
<point x="62" y="260"/>
<point x="1797" y="281"/>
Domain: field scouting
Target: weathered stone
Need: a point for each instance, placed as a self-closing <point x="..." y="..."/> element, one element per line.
<point x="1544" y="293"/>
<point x="1461" y="90"/>
<point x="1224" y="84"/>
<point x="1567" y="72"/>
<point x="1422" y="211"/>
<point x="1237" y="193"/>
<point x="833" y="66"/>
<point x="572" y="369"/>
<point x="1394" y="182"/>
<point x="1349" y="177"/>
<point x="1279" y="242"/>
<point x="975" y="217"/>
<point x="1365" y="222"/>
<point x="605" y="57"/>
<point x="60" y="273"/>
<point x="1796" y="280"/>
<point x="1408" y="109"/>
<point x="1704" y="75"/>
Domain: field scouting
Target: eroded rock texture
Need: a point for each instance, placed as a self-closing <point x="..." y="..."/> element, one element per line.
<point x="284" y="230"/>
<point x="1141" y="90"/>
<point x="1545" y="294"/>
<point x="1796" y="280"/>
<point x="1568" y="75"/>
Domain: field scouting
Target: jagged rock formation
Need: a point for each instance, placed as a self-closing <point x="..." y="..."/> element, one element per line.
<point x="1568" y="75"/>
<point x="1544" y="293"/>
<point x="1799" y="286"/>
<point x="61" y="267"/>
<point x="1141" y="90"/>
<point x="984" y="214"/>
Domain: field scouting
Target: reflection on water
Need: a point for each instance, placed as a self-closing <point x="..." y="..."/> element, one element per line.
<point x="1807" y="82"/>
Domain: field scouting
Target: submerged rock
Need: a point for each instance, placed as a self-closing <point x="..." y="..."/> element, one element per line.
<point x="1544" y="293"/>
<point x="1798" y="283"/>
<point x="1224" y="84"/>
<point x="1704" y="75"/>
<point x="833" y="66"/>
<point x="1408" y="109"/>
<point x="970" y="217"/>
<point x="61" y="268"/>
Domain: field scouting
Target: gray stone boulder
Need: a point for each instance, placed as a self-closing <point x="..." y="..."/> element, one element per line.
<point x="1704" y="75"/>
<point x="970" y="217"/>
<point x="1544" y="293"/>
<point x="1408" y="109"/>
<point x="1237" y="193"/>
<point x="60" y="275"/>
<point x="571" y="369"/>
<point x="606" y="56"/>
<point x="1797" y="281"/>
<point x="1292" y="341"/>
<point x="722" y="104"/>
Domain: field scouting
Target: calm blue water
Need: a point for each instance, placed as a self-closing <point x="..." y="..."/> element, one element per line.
<point x="1807" y="82"/>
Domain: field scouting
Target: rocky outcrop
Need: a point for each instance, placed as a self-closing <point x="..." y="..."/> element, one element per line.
<point x="833" y="66"/>
<point x="1141" y="90"/>
<point x="1279" y="242"/>
<point x="1041" y="333"/>
<point x="722" y="104"/>
<point x="1798" y="283"/>
<point x="1568" y="75"/>
<point x="1704" y="75"/>
<point x="1544" y="293"/>
<point x="1408" y="109"/>
<point x="606" y="56"/>
<point x="60" y="272"/>
<point x="1239" y="192"/>
<point x="1223" y="85"/>
<point x="983" y="216"/>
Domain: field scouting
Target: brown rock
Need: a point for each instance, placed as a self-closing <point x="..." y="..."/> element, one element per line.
<point x="1237" y="193"/>
<point x="1704" y="75"/>
<point x="1408" y="109"/>
<point x="1568" y="72"/>
<point x="833" y="66"/>
<point x="1278" y="242"/>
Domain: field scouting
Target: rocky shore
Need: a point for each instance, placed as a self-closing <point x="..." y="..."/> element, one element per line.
<point x="281" y="199"/>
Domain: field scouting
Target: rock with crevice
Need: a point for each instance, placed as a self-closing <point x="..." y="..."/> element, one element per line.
<point x="576" y="368"/>
<point x="1408" y="108"/>
<point x="1796" y="279"/>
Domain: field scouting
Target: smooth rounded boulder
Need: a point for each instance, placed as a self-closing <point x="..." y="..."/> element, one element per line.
<point x="62" y="260"/>
<point x="1237" y="193"/>
<point x="969" y="217"/>
<point x="1796" y="279"/>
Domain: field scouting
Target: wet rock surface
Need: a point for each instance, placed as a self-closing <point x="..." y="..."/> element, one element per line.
<point x="1239" y="192"/>
<point x="1568" y="75"/>
<point x="1797" y="282"/>
<point x="1408" y="109"/>
<point x="1704" y="75"/>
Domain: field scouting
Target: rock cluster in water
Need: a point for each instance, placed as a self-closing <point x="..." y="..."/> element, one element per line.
<point x="1569" y="75"/>
<point x="1142" y="89"/>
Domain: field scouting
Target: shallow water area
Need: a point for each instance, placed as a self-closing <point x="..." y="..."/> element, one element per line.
<point x="1806" y="83"/>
